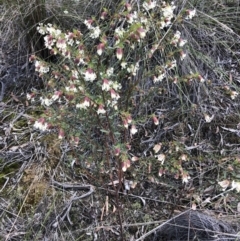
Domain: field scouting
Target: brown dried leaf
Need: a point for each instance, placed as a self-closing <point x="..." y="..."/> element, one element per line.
<point x="157" y="147"/>
<point x="224" y="184"/>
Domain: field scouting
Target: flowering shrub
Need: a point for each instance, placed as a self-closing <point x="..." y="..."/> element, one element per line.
<point x="104" y="72"/>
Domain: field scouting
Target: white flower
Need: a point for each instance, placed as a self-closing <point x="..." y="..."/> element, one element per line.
<point x="41" y="124"/>
<point x="183" y="56"/>
<point x="182" y="42"/>
<point x="101" y="110"/>
<point x="56" y="95"/>
<point x="84" y="104"/>
<point x="168" y="11"/>
<point x="165" y="23"/>
<point x="119" y="53"/>
<point x="112" y="103"/>
<point x="61" y="44"/>
<point x="236" y="185"/>
<point x="149" y="5"/>
<point x="110" y="71"/>
<point x="95" y="32"/>
<point x="49" y="41"/>
<point x="65" y="11"/>
<point x="30" y="96"/>
<point x="74" y="74"/>
<point x="88" y="23"/>
<point x="41" y="67"/>
<point x="158" y="78"/>
<point x="71" y="88"/>
<point x="114" y="95"/>
<point x="100" y="48"/>
<point x="46" y="101"/>
<point x="133" y="69"/>
<point x="119" y="31"/>
<point x="115" y="85"/>
<point x="183" y="157"/>
<point x="185" y="178"/>
<point x="105" y="85"/>
<point x="133" y="130"/>
<point x="51" y="30"/>
<point x="176" y="38"/>
<point x="132" y="17"/>
<point x="201" y="79"/>
<point x="141" y="32"/>
<point x="66" y="53"/>
<point x="134" y="158"/>
<point x="80" y="61"/>
<point x="117" y="42"/>
<point x="145" y="21"/>
<point x="171" y="65"/>
<point x="208" y="119"/>
<point x="191" y="14"/>
<point x="125" y="165"/>
<point x="61" y="134"/>
<point x="69" y="36"/>
<point x="155" y="120"/>
<point x="90" y="75"/>
<point x="41" y="29"/>
<point x="233" y="94"/>
<point x="123" y="65"/>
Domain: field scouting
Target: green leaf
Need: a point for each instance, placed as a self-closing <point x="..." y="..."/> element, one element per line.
<point x="104" y="131"/>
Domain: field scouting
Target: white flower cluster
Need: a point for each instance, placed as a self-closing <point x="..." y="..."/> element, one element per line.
<point x="148" y="5"/>
<point x="95" y="31"/>
<point x="112" y="104"/>
<point x="89" y="75"/>
<point x="159" y="77"/>
<point x="139" y="33"/>
<point x="132" y="69"/>
<point x="163" y="72"/>
<point x="177" y="40"/>
<point x="50" y="101"/>
<point x="56" y="40"/>
<point x="171" y="65"/>
<point x="119" y="32"/>
<point x="41" y="124"/>
<point x="49" y="41"/>
<point x="136" y="18"/>
<point x="108" y="84"/>
<point x="41" y="67"/>
<point x="75" y="74"/>
<point x="30" y="96"/>
<point x="84" y="104"/>
<point x="71" y="88"/>
<point x="112" y="87"/>
<point x="52" y="31"/>
<point x="46" y="101"/>
<point x="167" y="14"/>
<point x="110" y="72"/>
<point x="132" y="17"/>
